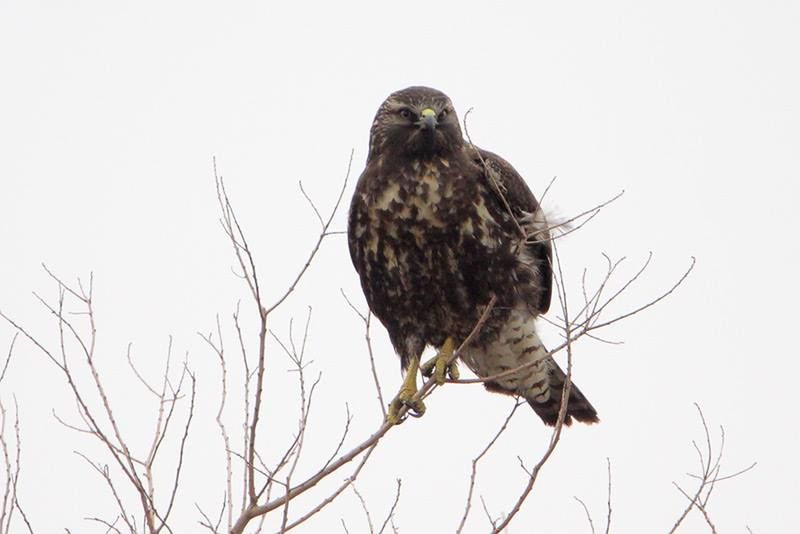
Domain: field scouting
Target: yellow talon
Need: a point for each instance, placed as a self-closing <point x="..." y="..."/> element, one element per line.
<point x="406" y="396"/>
<point x="438" y="366"/>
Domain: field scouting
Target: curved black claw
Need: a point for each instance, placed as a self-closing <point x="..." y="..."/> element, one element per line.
<point x="415" y="407"/>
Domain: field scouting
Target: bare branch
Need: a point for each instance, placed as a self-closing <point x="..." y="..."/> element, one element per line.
<point x="207" y="523"/>
<point x="7" y="508"/>
<point x="336" y="493"/>
<point x="233" y="230"/>
<point x="709" y="475"/>
<point x="220" y="351"/>
<point x="608" y="502"/>
<point x="8" y="357"/>
<point x="652" y="302"/>
<point x="477" y="459"/>
<point x="31" y="339"/>
<point x="364" y="507"/>
<point x="311" y="203"/>
<point x="341" y="440"/>
<point x="104" y="473"/>
<point x="247" y="474"/>
<point x="251" y="445"/>
<point x="110" y="526"/>
<point x="392" y="509"/>
<point x="488" y="515"/>
<point x="17" y="470"/>
<point x="583" y="328"/>
<point x="182" y="448"/>
<point x="322" y="235"/>
<point x="367" y="318"/>
<point x="144" y="382"/>
<point x="586" y="511"/>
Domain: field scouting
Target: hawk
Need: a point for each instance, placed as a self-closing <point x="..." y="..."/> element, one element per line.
<point x="437" y="227"/>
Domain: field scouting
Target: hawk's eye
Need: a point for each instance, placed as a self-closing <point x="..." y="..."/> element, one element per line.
<point x="405" y="113"/>
<point x="442" y="115"/>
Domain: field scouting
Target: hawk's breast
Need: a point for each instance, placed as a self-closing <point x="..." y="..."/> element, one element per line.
<point x="431" y="247"/>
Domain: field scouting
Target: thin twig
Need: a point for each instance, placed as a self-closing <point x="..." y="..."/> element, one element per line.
<point x="322" y="235"/>
<point x="477" y="459"/>
<point x="580" y="330"/>
<point x="17" y="470"/>
<point x="608" y="501"/>
<point x="709" y="476"/>
<point x="364" y="507"/>
<point x="488" y="515"/>
<point x="220" y="351"/>
<point x="392" y="509"/>
<point x="322" y="504"/>
<point x="586" y="511"/>
<point x="366" y="319"/>
<point x="8" y="356"/>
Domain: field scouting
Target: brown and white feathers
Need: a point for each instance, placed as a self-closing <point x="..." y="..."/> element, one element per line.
<point x="434" y="233"/>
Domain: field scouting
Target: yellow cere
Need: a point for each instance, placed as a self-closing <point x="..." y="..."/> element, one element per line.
<point x="428" y="112"/>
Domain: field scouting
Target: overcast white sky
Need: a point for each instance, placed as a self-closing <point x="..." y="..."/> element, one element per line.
<point x="110" y="115"/>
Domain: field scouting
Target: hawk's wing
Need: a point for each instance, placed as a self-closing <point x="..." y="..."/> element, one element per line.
<point x="529" y="215"/>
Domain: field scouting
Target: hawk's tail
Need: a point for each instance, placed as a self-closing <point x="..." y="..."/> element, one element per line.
<point x="547" y="408"/>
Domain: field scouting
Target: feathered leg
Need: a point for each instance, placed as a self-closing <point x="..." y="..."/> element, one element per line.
<point x="540" y="380"/>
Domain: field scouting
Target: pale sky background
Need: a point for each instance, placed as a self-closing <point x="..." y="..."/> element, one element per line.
<point x="110" y="115"/>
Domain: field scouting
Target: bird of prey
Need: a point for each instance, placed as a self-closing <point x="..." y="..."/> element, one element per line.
<point x="437" y="228"/>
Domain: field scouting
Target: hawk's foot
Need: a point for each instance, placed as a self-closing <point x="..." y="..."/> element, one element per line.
<point x="407" y="396"/>
<point x="438" y="366"/>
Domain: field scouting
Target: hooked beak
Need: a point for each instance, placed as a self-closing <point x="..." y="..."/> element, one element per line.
<point x="427" y="120"/>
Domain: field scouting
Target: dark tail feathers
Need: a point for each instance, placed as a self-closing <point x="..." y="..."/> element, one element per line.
<point x="578" y="406"/>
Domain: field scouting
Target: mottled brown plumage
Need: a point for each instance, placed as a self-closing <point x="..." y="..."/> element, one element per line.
<point x="436" y="228"/>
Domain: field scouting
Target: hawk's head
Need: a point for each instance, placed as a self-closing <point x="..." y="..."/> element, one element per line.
<point x="417" y="122"/>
